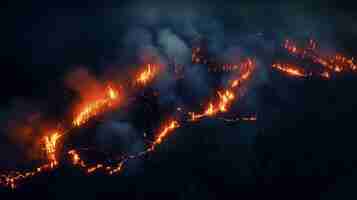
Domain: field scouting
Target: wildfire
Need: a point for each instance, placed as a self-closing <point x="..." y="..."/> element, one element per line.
<point x="172" y="125"/>
<point x="249" y="68"/>
<point x="102" y="103"/>
<point x="50" y="147"/>
<point x="112" y="94"/>
<point x="336" y="63"/>
<point x="76" y="159"/>
<point x="147" y="75"/>
<point x="225" y="98"/>
<point x="94" y="168"/>
<point x="290" y="69"/>
<point x="96" y="107"/>
<point x="116" y="169"/>
<point x="325" y="75"/>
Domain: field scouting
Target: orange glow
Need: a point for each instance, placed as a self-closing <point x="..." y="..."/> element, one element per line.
<point x="292" y="48"/>
<point x="172" y="125"/>
<point x="96" y="106"/>
<point x="112" y="94"/>
<point x="252" y="118"/>
<point x="76" y="159"/>
<point x="147" y="75"/>
<point x="336" y="63"/>
<point x="94" y="168"/>
<point x="101" y="100"/>
<point x="50" y="147"/>
<point x="325" y="75"/>
<point x="225" y="98"/>
<point x="210" y="110"/>
<point x="12" y="178"/>
<point x="249" y="68"/>
<point x="116" y="169"/>
<point x="290" y="69"/>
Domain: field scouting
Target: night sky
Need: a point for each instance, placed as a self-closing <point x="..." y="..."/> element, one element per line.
<point x="302" y="146"/>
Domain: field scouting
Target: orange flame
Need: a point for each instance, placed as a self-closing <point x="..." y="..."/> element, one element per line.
<point x="225" y="98"/>
<point x="172" y="125"/>
<point x="96" y="107"/>
<point x="147" y="75"/>
<point x="94" y="168"/>
<point x="336" y="63"/>
<point x="249" y="66"/>
<point x="109" y="99"/>
<point x="116" y="169"/>
<point x="50" y="147"/>
<point x="325" y="75"/>
<point x="290" y="69"/>
<point x="76" y="159"/>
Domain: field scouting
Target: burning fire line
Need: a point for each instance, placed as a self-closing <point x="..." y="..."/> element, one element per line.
<point x="337" y="63"/>
<point x="50" y="146"/>
<point x="147" y="75"/>
<point x="290" y="69"/>
<point x="96" y="107"/>
<point x="225" y="99"/>
<point x="220" y="104"/>
<point x="50" y="141"/>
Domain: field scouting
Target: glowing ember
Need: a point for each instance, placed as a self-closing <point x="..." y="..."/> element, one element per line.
<point x="249" y="66"/>
<point x="224" y="100"/>
<point x="226" y="97"/>
<point x="116" y="169"/>
<point x="252" y="118"/>
<point x="76" y="159"/>
<point x="94" y="168"/>
<point x="325" y="75"/>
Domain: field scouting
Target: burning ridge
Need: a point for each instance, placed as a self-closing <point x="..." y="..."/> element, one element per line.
<point x="328" y="65"/>
<point x="111" y="98"/>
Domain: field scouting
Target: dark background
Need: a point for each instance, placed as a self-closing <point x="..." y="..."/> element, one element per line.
<point x="304" y="140"/>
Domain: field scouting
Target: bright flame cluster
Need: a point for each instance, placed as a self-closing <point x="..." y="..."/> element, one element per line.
<point x="96" y="107"/>
<point x="51" y="142"/>
<point x="225" y="98"/>
<point x="337" y="63"/>
<point x="172" y="125"/>
<point x="147" y="75"/>
<point x="92" y="108"/>
<point x="290" y="69"/>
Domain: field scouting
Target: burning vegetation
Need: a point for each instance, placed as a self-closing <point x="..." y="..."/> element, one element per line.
<point x="103" y="98"/>
<point x="89" y="109"/>
<point x="325" y="65"/>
